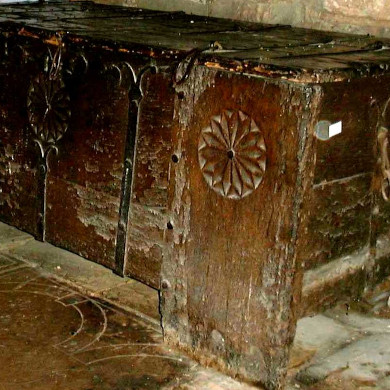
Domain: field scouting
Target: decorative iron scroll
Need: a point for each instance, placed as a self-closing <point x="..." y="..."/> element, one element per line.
<point x="48" y="109"/>
<point x="232" y="154"/>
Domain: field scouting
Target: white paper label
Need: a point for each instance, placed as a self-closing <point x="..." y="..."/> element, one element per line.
<point x="335" y="129"/>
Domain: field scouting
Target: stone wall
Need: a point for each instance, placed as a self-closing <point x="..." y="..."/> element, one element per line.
<point x="355" y="16"/>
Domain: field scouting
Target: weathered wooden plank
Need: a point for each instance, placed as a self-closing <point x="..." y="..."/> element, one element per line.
<point x="86" y="175"/>
<point x="147" y="215"/>
<point x="343" y="279"/>
<point x="78" y="216"/>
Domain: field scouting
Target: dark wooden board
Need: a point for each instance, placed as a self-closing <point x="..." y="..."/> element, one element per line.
<point x="84" y="178"/>
<point x="339" y="220"/>
<point x="18" y="151"/>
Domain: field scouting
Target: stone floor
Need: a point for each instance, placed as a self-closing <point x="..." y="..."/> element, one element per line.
<point x="67" y="323"/>
<point x="345" y="348"/>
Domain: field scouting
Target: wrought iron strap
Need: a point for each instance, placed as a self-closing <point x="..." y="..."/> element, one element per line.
<point x="127" y="78"/>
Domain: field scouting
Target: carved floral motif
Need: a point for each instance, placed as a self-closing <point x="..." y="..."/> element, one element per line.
<point x="232" y="154"/>
<point x="48" y="106"/>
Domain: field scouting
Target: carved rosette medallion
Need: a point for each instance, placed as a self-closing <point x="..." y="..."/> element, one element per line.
<point x="48" y="106"/>
<point x="232" y="154"/>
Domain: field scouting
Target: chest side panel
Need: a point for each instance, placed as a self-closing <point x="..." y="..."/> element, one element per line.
<point x="381" y="209"/>
<point x="228" y="277"/>
<point x="341" y="201"/>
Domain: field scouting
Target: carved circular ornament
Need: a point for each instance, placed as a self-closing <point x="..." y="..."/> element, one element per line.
<point x="232" y="154"/>
<point x="48" y="106"/>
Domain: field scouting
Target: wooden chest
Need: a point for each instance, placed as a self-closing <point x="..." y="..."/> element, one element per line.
<point x="239" y="168"/>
